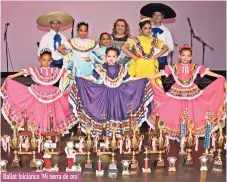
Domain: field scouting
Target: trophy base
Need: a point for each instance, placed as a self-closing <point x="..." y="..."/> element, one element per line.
<point x="218" y="166"/>
<point x="39" y="171"/>
<point x="54" y="153"/>
<point x="99" y="173"/>
<point x="73" y="169"/>
<point x="188" y="162"/>
<point x="33" y="164"/>
<point x="88" y="168"/>
<point x="148" y="170"/>
<point x="15" y="163"/>
<point x="81" y="153"/>
<point x="204" y="168"/>
<point x="208" y="154"/>
<point x="53" y="169"/>
<point x="159" y="164"/>
<point x="125" y="173"/>
<point x="134" y="168"/>
<point x="105" y="153"/>
<point x="172" y="169"/>
<point x="112" y="170"/>
<point x="24" y="153"/>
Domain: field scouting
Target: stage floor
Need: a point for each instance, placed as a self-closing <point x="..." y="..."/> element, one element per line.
<point x="183" y="173"/>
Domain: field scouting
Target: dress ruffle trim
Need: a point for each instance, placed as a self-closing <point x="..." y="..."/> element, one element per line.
<point x="175" y="134"/>
<point x="87" y="48"/>
<point x="10" y="114"/>
<point x="140" y="114"/>
<point x="41" y="98"/>
<point x="36" y="77"/>
<point x="188" y="83"/>
<point x="112" y="83"/>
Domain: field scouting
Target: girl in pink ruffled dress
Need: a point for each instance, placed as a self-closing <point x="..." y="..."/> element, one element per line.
<point x="40" y="101"/>
<point x="185" y="95"/>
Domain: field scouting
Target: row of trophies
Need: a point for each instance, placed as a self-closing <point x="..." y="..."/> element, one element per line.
<point x="28" y="143"/>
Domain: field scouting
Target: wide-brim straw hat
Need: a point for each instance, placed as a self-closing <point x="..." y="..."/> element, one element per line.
<point x="45" y="19"/>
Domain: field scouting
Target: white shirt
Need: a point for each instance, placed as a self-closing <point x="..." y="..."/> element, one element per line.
<point x="47" y="41"/>
<point x="166" y="37"/>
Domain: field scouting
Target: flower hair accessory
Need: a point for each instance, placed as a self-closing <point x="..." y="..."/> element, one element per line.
<point x="145" y="19"/>
<point x="115" y="47"/>
<point x="185" y="46"/>
<point x="82" y="22"/>
<point x="44" y="50"/>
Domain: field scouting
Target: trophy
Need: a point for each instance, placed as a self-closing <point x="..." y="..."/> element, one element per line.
<point x="125" y="166"/>
<point x="146" y="169"/>
<point x="136" y="142"/>
<point x="99" y="172"/>
<point x="184" y="117"/>
<point x="80" y="145"/>
<point x="88" y="146"/>
<point x="78" y="168"/>
<point x="203" y="161"/>
<point x="70" y="154"/>
<point x="39" y="165"/>
<point x="33" y="144"/>
<point x="52" y="137"/>
<point x="208" y="117"/>
<point x="14" y="144"/>
<point x="218" y="164"/>
<point x="47" y="162"/>
<point x="25" y="136"/>
<point x="161" y="145"/>
<point x="190" y="142"/>
<point x="172" y="162"/>
<point x="3" y="164"/>
<point x="112" y="169"/>
<point x="5" y="141"/>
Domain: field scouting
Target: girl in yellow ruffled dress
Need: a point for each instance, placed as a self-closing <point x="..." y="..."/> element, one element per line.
<point x="144" y="62"/>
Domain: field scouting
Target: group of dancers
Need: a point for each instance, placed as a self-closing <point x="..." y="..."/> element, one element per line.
<point x="111" y="81"/>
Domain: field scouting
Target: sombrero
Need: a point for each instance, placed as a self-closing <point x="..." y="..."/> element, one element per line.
<point x="149" y="9"/>
<point x="64" y="18"/>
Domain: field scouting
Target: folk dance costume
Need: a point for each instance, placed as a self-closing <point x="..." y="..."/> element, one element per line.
<point x="53" y="39"/>
<point x="75" y="63"/>
<point x="145" y="65"/>
<point x="110" y="96"/>
<point x="161" y="32"/>
<point x="39" y="101"/>
<point x="185" y="94"/>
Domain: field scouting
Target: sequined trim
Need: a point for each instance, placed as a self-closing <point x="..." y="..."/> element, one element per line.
<point x="45" y="97"/>
<point x="87" y="48"/>
<point x="109" y="81"/>
<point x="39" y="78"/>
<point x="141" y="49"/>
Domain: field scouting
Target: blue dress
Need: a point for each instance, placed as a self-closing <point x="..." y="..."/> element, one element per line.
<point x="74" y="62"/>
